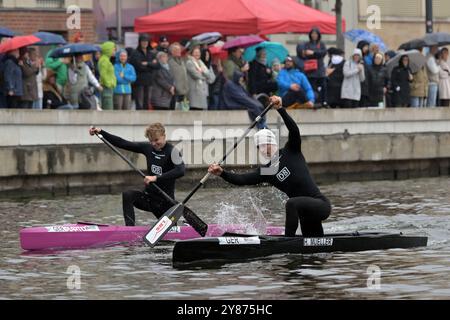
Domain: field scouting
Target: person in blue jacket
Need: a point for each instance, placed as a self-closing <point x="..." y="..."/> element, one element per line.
<point x="236" y="97"/>
<point x="126" y="75"/>
<point x="294" y="86"/>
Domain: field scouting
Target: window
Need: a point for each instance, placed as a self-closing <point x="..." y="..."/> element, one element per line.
<point x="50" y="3"/>
<point x="441" y="8"/>
<point x="410" y="8"/>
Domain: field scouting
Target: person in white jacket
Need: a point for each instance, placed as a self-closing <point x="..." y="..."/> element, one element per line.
<point x="354" y="74"/>
<point x="433" y="77"/>
<point x="444" y="79"/>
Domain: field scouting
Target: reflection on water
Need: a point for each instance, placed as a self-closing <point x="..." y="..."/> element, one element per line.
<point x="413" y="207"/>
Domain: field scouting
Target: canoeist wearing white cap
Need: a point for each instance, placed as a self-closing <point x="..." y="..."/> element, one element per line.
<point x="290" y="175"/>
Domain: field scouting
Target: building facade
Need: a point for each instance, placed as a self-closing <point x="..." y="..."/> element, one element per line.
<point x="404" y="20"/>
<point x="400" y="21"/>
<point x="29" y="16"/>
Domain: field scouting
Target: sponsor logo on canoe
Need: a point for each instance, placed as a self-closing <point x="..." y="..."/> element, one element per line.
<point x="234" y="241"/>
<point x="284" y="174"/>
<point x="159" y="229"/>
<point x="157" y="170"/>
<point x="175" y="230"/>
<point x="73" y="229"/>
<point x="318" y="242"/>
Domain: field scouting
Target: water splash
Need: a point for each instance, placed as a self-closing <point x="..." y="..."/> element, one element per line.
<point x="252" y="221"/>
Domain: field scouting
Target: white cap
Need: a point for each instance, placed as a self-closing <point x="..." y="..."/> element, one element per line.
<point x="357" y="52"/>
<point x="265" y="137"/>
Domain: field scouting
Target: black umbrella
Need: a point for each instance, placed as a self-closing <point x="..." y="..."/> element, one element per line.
<point x="417" y="44"/>
<point x="438" y="38"/>
<point x="432" y="39"/>
<point x="416" y="61"/>
<point x="74" y="49"/>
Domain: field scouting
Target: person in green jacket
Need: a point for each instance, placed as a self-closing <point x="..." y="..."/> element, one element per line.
<point x="108" y="78"/>
<point x="59" y="67"/>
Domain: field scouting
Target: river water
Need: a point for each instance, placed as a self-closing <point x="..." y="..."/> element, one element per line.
<point x="413" y="207"/>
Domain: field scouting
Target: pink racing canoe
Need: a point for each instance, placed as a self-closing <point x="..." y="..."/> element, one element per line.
<point x="90" y="235"/>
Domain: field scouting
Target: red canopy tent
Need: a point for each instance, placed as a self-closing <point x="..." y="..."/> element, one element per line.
<point x="236" y="17"/>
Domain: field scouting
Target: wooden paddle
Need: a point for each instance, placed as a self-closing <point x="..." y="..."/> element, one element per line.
<point x="191" y="218"/>
<point x="170" y="218"/>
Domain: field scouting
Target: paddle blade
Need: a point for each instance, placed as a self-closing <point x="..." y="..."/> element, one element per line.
<point x="195" y="222"/>
<point x="163" y="226"/>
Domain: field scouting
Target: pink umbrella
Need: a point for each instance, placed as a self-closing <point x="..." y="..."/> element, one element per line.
<point x="18" y="42"/>
<point x="243" y="42"/>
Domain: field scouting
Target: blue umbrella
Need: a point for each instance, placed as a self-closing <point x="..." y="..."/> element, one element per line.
<point x="6" y="33"/>
<point x="48" y="39"/>
<point x="273" y="49"/>
<point x="74" y="49"/>
<point x="357" y="35"/>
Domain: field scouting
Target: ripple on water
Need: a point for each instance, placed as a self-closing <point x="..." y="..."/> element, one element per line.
<point x="412" y="207"/>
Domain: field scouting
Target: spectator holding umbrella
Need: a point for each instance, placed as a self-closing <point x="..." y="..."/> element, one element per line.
<point x="235" y="63"/>
<point x="199" y="78"/>
<point x="2" y="82"/>
<point x="80" y="77"/>
<point x="401" y="83"/>
<point x="378" y="81"/>
<point x="364" y="46"/>
<point x="108" y="78"/>
<point x="354" y="75"/>
<point x="12" y="79"/>
<point x="125" y="75"/>
<point x="163" y="84"/>
<point x="260" y="75"/>
<point x="177" y="65"/>
<point x="312" y="54"/>
<point x="29" y="73"/>
<point x="335" y="74"/>
<point x="59" y="67"/>
<point x="433" y="77"/>
<point x="144" y="62"/>
<point x="419" y="88"/>
<point x="13" y="86"/>
<point x="389" y="94"/>
<point x="444" y="79"/>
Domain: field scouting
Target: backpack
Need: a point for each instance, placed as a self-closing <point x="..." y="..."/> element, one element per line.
<point x="86" y="100"/>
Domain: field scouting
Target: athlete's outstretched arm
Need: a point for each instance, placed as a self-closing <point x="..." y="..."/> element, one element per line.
<point x="137" y="147"/>
<point x="295" y="139"/>
<point x="247" y="179"/>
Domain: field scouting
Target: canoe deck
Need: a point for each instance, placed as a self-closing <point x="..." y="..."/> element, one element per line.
<point x="233" y="247"/>
<point x="91" y="235"/>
